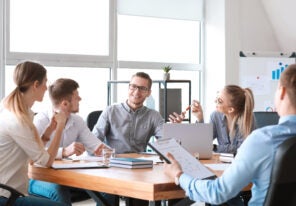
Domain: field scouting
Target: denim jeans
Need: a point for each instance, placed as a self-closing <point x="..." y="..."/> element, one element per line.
<point x="32" y="201"/>
<point x="60" y="193"/>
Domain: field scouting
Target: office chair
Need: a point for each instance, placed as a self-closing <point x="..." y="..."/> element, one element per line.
<point x="14" y="194"/>
<point x="282" y="188"/>
<point x="92" y="118"/>
<point x="266" y="118"/>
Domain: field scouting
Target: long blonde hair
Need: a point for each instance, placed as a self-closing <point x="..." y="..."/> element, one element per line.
<point x="25" y="74"/>
<point x="242" y="100"/>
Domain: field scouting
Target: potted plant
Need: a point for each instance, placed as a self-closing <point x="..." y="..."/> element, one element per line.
<point x="166" y="70"/>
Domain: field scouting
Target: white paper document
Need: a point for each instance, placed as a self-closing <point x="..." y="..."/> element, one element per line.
<point x="78" y="165"/>
<point x="190" y="165"/>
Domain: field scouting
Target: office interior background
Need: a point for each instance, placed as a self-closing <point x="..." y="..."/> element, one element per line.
<point x="93" y="41"/>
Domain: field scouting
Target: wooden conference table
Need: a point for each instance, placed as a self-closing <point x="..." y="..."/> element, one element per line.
<point x="148" y="184"/>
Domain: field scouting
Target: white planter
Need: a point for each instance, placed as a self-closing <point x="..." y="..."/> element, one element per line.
<point x="166" y="76"/>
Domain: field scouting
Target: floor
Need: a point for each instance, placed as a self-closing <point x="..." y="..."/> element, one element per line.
<point x="90" y="202"/>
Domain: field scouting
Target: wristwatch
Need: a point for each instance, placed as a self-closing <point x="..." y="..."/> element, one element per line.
<point x="177" y="177"/>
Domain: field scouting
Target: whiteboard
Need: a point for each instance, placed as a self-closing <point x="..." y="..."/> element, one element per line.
<point x="261" y="74"/>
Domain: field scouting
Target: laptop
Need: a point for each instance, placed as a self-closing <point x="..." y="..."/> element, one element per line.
<point x="197" y="139"/>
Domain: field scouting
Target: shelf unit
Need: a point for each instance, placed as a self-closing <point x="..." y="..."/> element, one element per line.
<point x="162" y="84"/>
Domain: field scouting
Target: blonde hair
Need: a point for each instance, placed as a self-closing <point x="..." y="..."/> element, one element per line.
<point x="25" y="74"/>
<point x="242" y="100"/>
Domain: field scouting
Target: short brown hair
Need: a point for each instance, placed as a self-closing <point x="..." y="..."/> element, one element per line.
<point x="144" y="76"/>
<point x="62" y="89"/>
<point x="288" y="80"/>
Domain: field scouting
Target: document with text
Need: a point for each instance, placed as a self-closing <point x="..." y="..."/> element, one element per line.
<point x="190" y="165"/>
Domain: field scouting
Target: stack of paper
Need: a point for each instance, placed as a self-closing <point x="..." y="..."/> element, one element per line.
<point x="131" y="163"/>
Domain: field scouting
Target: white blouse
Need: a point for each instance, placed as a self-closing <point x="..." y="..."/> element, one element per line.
<point x="17" y="147"/>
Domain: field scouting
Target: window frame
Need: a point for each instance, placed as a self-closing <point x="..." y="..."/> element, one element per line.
<point x="71" y="60"/>
<point x="95" y="61"/>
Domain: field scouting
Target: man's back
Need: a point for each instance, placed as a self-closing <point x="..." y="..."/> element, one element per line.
<point x="257" y="154"/>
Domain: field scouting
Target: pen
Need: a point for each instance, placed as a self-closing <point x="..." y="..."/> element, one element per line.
<point x="189" y="106"/>
<point x="187" y="109"/>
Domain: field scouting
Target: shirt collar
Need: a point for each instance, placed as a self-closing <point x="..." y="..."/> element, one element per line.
<point x="127" y="107"/>
<point x="287" y="118"/>
<point x="69" y="122"/>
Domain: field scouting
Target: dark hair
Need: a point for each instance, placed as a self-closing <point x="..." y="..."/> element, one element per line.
<point x="288" y="80"/>
<point x="242" y="100"/>
<point x="144" y="76"/>
<point x="62" y="89"/>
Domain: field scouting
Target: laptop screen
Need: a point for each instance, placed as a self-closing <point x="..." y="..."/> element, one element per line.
<point x="195" y="138"/>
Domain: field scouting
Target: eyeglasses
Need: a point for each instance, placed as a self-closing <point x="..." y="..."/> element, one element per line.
<point x="133" y="87"/>
<point x="218" y="100"/>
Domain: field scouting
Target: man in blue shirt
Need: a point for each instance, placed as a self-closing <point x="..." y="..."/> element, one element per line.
<point x="254" y="160"/>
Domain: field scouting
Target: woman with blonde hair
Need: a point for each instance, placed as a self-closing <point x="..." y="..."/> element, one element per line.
<point x="19" y="140"/>
<point x="233" y="119"/>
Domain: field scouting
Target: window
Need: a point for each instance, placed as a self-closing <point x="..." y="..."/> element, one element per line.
<point x="158" y="40"/>
<point x="70" y="38"/>
<point x="92" y="86"/>
<point x="59" y="26"/>
<point x="94" y="41"/>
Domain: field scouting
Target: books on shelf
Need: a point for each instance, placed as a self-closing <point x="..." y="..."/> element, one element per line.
<point x="131" y="163"/>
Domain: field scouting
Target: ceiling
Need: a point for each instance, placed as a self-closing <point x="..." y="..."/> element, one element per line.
<point x="282" y="16"/>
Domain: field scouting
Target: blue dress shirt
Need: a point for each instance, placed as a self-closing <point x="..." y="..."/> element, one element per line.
<point x="253" y="164"/>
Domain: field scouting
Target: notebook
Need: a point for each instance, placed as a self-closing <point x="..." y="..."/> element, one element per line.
<point x="195" y="138"/>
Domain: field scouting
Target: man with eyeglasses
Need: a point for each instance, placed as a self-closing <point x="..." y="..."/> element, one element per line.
<point x="128" y="126"/>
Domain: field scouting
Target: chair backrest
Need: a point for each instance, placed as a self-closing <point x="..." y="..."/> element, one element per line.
<point x="282" y="188"/>
<point x="14" y="194"/>
<point x="92" y="118"/>
<point x="266" y="118"/>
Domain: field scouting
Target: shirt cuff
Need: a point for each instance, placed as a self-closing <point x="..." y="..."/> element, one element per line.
<point x="60" y="153"/>
<point x="185" y="180"/>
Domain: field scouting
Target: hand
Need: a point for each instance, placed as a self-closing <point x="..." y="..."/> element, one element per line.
<point x="197" y="111"/>
<point x="176" y="118"/>
<point x="172" y="169"/>
<point x="74" y="148"/>
<point x="51" y="127"/>
<point x="60" y="119"/>
<point x="100" y="148"/>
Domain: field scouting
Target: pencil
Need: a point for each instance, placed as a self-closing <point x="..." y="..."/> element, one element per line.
<point x="189" y="106"/>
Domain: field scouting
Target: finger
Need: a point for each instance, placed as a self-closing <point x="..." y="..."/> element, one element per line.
<point x="183" y="114"/>
<point x="171" y="157"/>
<point x="172" y="116"/>
<point x="176" y="114"/>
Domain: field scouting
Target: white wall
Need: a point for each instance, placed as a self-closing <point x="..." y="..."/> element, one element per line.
<point x="232" y="26"/>
<point x="214" y="52"/>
